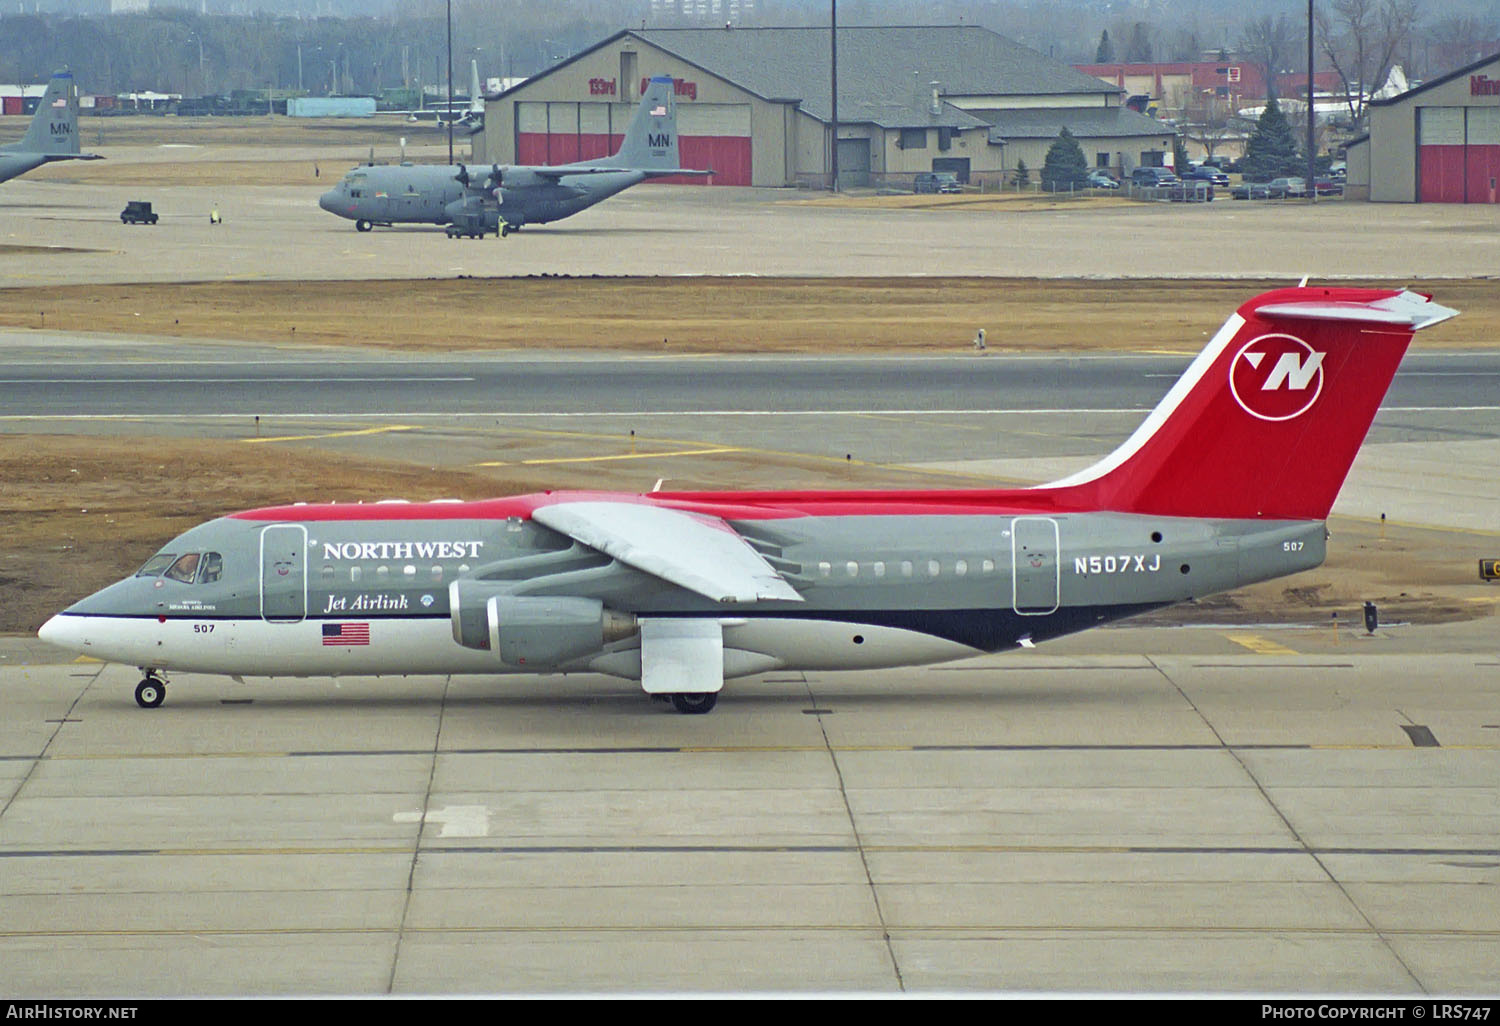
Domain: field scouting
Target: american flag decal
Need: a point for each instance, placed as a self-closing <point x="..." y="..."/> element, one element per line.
<point x="659" y="111"/>
<point x="61" y="101"/>
<point x="346" y="634"/>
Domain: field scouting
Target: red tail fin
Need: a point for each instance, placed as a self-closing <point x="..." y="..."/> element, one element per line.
<point x="1266" y="421"/>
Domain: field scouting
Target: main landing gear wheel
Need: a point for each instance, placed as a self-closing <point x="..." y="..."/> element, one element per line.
<point x="150" y="692"/>
<point x="362" y="225"/>
<point x="505" y="230"/>
<point x="694" y="703"/>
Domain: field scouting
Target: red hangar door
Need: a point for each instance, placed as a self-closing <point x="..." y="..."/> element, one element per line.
<point x="1458" y="154"/>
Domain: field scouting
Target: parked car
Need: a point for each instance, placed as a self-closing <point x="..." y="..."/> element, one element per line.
<point x="936" y="181"/>
<point x="1338" y="171"/>
<point x="137" y="212"/>
<point x="1206" y="173"/>
<point x="1281" y="188"/>
<point x="1329" y="187"/>
<point x="1150" y="177"/>
<point x="1103" y="180"/>
<point x="1250" y="191"/>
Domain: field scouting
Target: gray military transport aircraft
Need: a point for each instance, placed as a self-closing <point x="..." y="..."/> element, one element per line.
<point x="505" y="197"/>
<point x="52" y="134"/>
<point x="1227" y="482"/>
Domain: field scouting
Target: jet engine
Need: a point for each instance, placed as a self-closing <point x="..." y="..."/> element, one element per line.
<point x="533" y="631"/>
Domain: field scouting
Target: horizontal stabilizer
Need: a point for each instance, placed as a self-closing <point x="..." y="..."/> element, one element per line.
<point x="1407" y="309"/>
<point x="700" y="553"/>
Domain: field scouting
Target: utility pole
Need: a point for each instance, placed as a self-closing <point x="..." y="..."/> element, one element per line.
<point x="1312" y="181"/>
<point x="450" y="81"/>
<point x="833" y="61"/>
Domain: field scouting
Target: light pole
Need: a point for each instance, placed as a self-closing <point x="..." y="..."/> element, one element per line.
<point x="833" y="63"/>
<point x="450" y="81"/>
<point x="1312" y="181"/>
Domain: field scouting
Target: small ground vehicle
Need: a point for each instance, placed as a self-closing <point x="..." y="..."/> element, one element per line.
<point x="936" y="181"/>
<point x="1281" y="188"/>
<point x="1250" y="191"/>
<point x="1329" y="187"/>
<point x="137" y="212"/>
<point x="1102" y="180"/>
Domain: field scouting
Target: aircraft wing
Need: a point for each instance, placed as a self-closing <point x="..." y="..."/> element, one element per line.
<point x="555" y="173"/>
<point x="700" y="553"/>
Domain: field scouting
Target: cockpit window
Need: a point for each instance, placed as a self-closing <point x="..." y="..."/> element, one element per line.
<point x="186" y="568"/>
<point x="213" y="567"/>
<point x="156" y="564"/>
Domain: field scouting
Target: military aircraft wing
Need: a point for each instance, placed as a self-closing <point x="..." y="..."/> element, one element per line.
<point x="700" y="553"/>
<point x="562" y="171"/>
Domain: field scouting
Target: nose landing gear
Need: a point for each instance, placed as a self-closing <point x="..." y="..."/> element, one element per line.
<point x="151" y="691"/>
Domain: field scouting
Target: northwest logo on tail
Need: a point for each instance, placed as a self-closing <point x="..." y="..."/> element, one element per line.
<point x="1276" y="377"/>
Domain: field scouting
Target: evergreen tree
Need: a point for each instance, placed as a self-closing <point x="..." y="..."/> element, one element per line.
<point x="1272" y="150"/>
<point x="1022" y="174"/>
<point x="1065" y="168"/>
<point x="1105" y="54"/>
<point x="1138" y="50"/>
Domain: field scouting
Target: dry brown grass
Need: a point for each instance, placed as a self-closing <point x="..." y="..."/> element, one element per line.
<point x="692" y="315"/>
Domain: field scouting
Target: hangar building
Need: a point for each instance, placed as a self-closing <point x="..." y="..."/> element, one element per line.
<point x="1437" y="143"/>
<point x="753" y="105"/>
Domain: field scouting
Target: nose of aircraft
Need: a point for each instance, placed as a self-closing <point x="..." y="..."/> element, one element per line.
<point x="328" y="199"/>
<point x="57" y="631"/>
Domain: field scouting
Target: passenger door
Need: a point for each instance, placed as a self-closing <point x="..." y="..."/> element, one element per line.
<point x="283" y="573"/>
<point x="1034" y="565"/>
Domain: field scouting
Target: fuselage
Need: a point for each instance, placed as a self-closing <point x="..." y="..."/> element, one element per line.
<point x="370" y="589"/>
<point x="426" y="194"/>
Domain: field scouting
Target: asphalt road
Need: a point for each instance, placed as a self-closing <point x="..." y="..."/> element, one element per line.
<point x="68" y="382"/>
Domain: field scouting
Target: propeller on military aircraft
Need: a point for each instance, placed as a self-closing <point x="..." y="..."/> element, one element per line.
<point x="463" y="176"/>
<point x="493" y="182"/>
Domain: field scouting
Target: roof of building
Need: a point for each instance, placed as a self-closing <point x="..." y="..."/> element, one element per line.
<point x="885" y="73"/>
<point x="1433" y="83"/>
<point x="1083" y="122"/>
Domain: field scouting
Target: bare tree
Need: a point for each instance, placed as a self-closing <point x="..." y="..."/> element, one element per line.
<point x="1361" y="38"/>
<point x="1460" y="39"/>
<point x="1270" y="44"/>
<point x="1209" y="120"/>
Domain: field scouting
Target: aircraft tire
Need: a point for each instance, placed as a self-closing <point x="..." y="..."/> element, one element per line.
<point x="694" y="703"/>
<point x="150" y="693"/>
<point x="362" y="225"/>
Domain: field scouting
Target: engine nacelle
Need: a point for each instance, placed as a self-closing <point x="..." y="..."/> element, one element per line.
<point x="521" y="178"/>
<point x="537" y="632"/>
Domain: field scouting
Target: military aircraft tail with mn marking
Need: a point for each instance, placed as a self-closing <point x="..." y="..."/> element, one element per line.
<point x="52" y="134"/>
<point x="504" y="197"/>
<point x="1226" y="483"/>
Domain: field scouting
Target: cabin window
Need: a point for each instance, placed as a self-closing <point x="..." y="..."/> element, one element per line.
<point x="852" y="568"/>
<point x="879" y="569"/>
<point x="906" y="568"/>
<point x="934" y="568"/>
<point x="355" y="573"/>
<point x="961" y="567"/>
<point x="825" y="568"/>
<point x="327" y="573"/>
<point x="437" y="573"/>
<point x="988" y="566"/>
